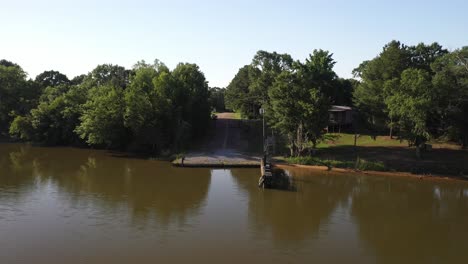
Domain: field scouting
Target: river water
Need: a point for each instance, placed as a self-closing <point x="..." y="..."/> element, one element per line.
<point x="65" y="205"/>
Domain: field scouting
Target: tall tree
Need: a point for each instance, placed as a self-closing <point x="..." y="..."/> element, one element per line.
<point x="451" y="87"/>
<point x="269" y="65"/>
<point x="300" y="103"/>
<point x="146" y="110"/>
<point x="191" y="93"/>
<point x="369" y="96"/>
<point x="102" y="122"/>
<point x="17" y="96"/>
<point x="51" y="78"/>
<point x="238" y="97"/>
<point x="217" y="99"/>
<point x="410" y="104"/>
<point x="108" y="74"/>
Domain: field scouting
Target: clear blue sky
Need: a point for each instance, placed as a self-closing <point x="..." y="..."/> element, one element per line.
<point x="73" y="37"/>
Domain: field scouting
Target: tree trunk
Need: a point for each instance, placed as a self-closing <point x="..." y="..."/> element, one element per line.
<point x="314" y="146"/>
<point x="418" y="151"/>
<point x="391" y="128"/>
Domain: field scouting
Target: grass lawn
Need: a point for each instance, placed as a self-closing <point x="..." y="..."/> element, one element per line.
<point x="234" y="115"/>
<point x="340" y="139"/>
<point x="383" y="153"/>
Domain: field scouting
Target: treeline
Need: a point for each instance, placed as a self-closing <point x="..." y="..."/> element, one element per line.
<point x="149" y="107"/>
<point x="421" y="92"/>
<point x="416" y="92"/>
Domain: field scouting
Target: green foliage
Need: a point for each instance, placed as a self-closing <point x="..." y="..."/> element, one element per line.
<point x="21" y="128"/>
<point x="57" y="115"/>
<point x="102" y="119"/>
<point x="108" y="74"/>
<point x="451" y="87"/>
<point x="369" y="96"/>
<point x="250" y="89"/>
<point x="217" y="99"/>
<point x="17" y="95"/>
<point x="299" y="104"/>
<point x="191" y="95"/>
<point x="238" y="96"/>
<point x="51" y="78"/>
<point x="410" y="103"/>
<point x="146" y="110"/>
<point x="420" y="91"/>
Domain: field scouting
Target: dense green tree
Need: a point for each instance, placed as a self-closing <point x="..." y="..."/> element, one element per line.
<point x="268" y="66"/>
<point x="237" y="95"/>
<point x="108" y="74"/>
<point x="317" y="71"/>
<point x="54" y="119"/>
<point x="147" y="110"/>
<point x="298" y="111"/>
<point x="102" y="122"/>
<point x="378" y="75"/>
<point x="51" y="78"/>
<point x="451" y="87"/>
<point x="77" y="80"/>
<point x="248" y="91"/>
<point x="17" y="95"/>
<point x="410" y="104"/>
<point x="422" y="55"/>
<point x="369" y="96"/>
<point x="217" y="99"/>
<point x="191" y="94"/>
<point x="300" y="103"/>
<point x="8" y="63"/>
<point x="343" y="92"/>
<point x="21" y="128"/>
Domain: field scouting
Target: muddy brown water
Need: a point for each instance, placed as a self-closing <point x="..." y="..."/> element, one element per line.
<point x="64" y="205"/>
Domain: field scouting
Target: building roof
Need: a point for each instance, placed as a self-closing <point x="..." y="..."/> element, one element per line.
<point x="339" y="108"/>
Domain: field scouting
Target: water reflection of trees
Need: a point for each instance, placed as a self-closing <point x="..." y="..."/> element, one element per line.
<point x="148" y="189"/>
<point x="291" y="217"/>
<point x="410" y="221"/>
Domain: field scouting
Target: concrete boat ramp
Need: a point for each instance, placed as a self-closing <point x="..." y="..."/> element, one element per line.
<point x="225" y="147"/>
<point x="218" y="159"/>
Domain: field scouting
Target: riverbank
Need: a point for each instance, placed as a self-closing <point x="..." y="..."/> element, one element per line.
<point x="383" y="153"/>
<point x="324" y="169"/>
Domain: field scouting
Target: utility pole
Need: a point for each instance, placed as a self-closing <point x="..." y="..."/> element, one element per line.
<point x="262" y="112"/>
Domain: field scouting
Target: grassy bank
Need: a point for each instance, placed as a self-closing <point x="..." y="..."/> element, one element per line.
<point x="359" y="164"/>
<point x="342" y="139"/>
<point x="385" y="154"/>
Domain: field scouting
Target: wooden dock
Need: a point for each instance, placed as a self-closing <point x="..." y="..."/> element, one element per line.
<point x="266" y="173"/>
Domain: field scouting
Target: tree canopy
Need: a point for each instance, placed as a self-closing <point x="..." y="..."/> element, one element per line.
<point x="415" y="92"/>
<point x="420" y="91"/>
<point x="147" y="108"/>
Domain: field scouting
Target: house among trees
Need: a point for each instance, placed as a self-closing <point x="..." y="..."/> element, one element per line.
<point x="339" y="116"/>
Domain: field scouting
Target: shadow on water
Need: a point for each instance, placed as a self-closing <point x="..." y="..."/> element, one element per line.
<point x="282" y="181"/>
<point x="151" y="191"/>
<point x="292" y="217"/>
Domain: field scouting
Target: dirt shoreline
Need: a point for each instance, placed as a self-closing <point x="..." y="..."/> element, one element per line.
<point x="431" y="177"/>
